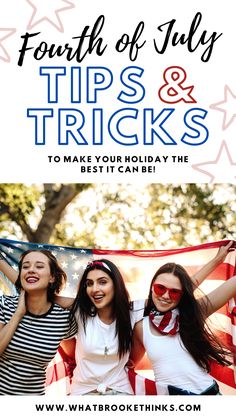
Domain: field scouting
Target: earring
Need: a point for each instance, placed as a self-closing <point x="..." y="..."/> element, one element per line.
<point x="93" y="311"/>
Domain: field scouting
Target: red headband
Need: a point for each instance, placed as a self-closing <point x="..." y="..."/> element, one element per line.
<point x="98" y="263"/>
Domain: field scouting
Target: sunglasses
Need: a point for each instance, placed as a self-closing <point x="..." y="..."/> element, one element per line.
<point x="174" y="293"/>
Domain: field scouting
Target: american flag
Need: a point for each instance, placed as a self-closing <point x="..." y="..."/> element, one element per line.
<point x="137" y="267"/>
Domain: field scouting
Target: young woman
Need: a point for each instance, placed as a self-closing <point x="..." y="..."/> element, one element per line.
<point x="32" y="325"/>
<point x="175" y="335"/>
<point x="105" y="320"/>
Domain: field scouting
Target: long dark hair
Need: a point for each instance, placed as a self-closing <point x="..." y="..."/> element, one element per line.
<point x="197" y="338"/>
<point x="121" y="303"/>
<point x="55" y="270"/>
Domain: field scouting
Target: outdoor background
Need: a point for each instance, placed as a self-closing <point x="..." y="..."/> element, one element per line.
<point x="118" y="216"/>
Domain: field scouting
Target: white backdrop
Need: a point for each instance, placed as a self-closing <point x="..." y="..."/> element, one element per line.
<point x="58" y="21"/>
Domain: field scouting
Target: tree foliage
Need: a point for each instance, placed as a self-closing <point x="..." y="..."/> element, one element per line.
<point x="158" y="216"/>
<point x="46" y="205"/>
<point x="118" y="215"/>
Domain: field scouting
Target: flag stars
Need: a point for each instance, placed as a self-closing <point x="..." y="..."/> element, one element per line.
<point x="64" y="265"/>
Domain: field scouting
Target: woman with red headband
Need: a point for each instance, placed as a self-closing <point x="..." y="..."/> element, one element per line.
<point x="175" y="335"/>
<point x="105" y="320"/>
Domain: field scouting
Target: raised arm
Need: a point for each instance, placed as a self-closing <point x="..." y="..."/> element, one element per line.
<point x="65" y="302"/>
<point x="202" y="274"/>
<point x="7" y="330"/>
<point x="12" y="275"/>
<point x="7" y="270"/>
<point x="137" y="350"/>
<point x="219" y="297"/>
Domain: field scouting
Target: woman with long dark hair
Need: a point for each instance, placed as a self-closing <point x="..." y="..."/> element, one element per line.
<point x="175" y="335"/>
<point x="105" y="320"/>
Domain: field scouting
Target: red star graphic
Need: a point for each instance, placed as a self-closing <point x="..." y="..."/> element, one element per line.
<point x="4" y="34"/>
<point x="227" y="106"/>
<point x="222" y="167"/>
<point x="49" y="11"/>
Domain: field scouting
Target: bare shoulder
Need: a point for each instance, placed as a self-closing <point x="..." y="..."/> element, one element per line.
<point x="138" y="329"/>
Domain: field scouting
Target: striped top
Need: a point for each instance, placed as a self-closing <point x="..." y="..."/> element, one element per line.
<point x="35" y="342"/>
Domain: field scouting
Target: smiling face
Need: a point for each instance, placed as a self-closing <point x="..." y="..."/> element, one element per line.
<point x="100" y="289"/>
<point x="166" y="292"/>
<point x="35" y="272"/>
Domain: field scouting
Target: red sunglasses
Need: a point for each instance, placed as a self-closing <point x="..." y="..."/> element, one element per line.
<point x="174" y="293"/>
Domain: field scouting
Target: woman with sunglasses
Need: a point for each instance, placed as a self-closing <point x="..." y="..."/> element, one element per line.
<point x="175" y="336"/>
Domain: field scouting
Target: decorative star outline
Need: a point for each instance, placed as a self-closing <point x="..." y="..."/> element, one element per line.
<point x="227" y="107"/>
<point x="4" y="56"/>
<point x="209" y="171"/>
<point x="57" y="23"/>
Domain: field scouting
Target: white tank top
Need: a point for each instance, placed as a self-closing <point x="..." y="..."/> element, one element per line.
<point x="98" y="366"/>
<point x="172" y="364"/>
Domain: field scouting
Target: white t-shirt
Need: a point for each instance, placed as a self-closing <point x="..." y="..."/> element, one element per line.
<point x="97" y="362"/>
<point x="172" y="363"/>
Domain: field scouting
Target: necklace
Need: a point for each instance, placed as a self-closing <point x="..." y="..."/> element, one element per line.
<point x="107" y="332"/>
